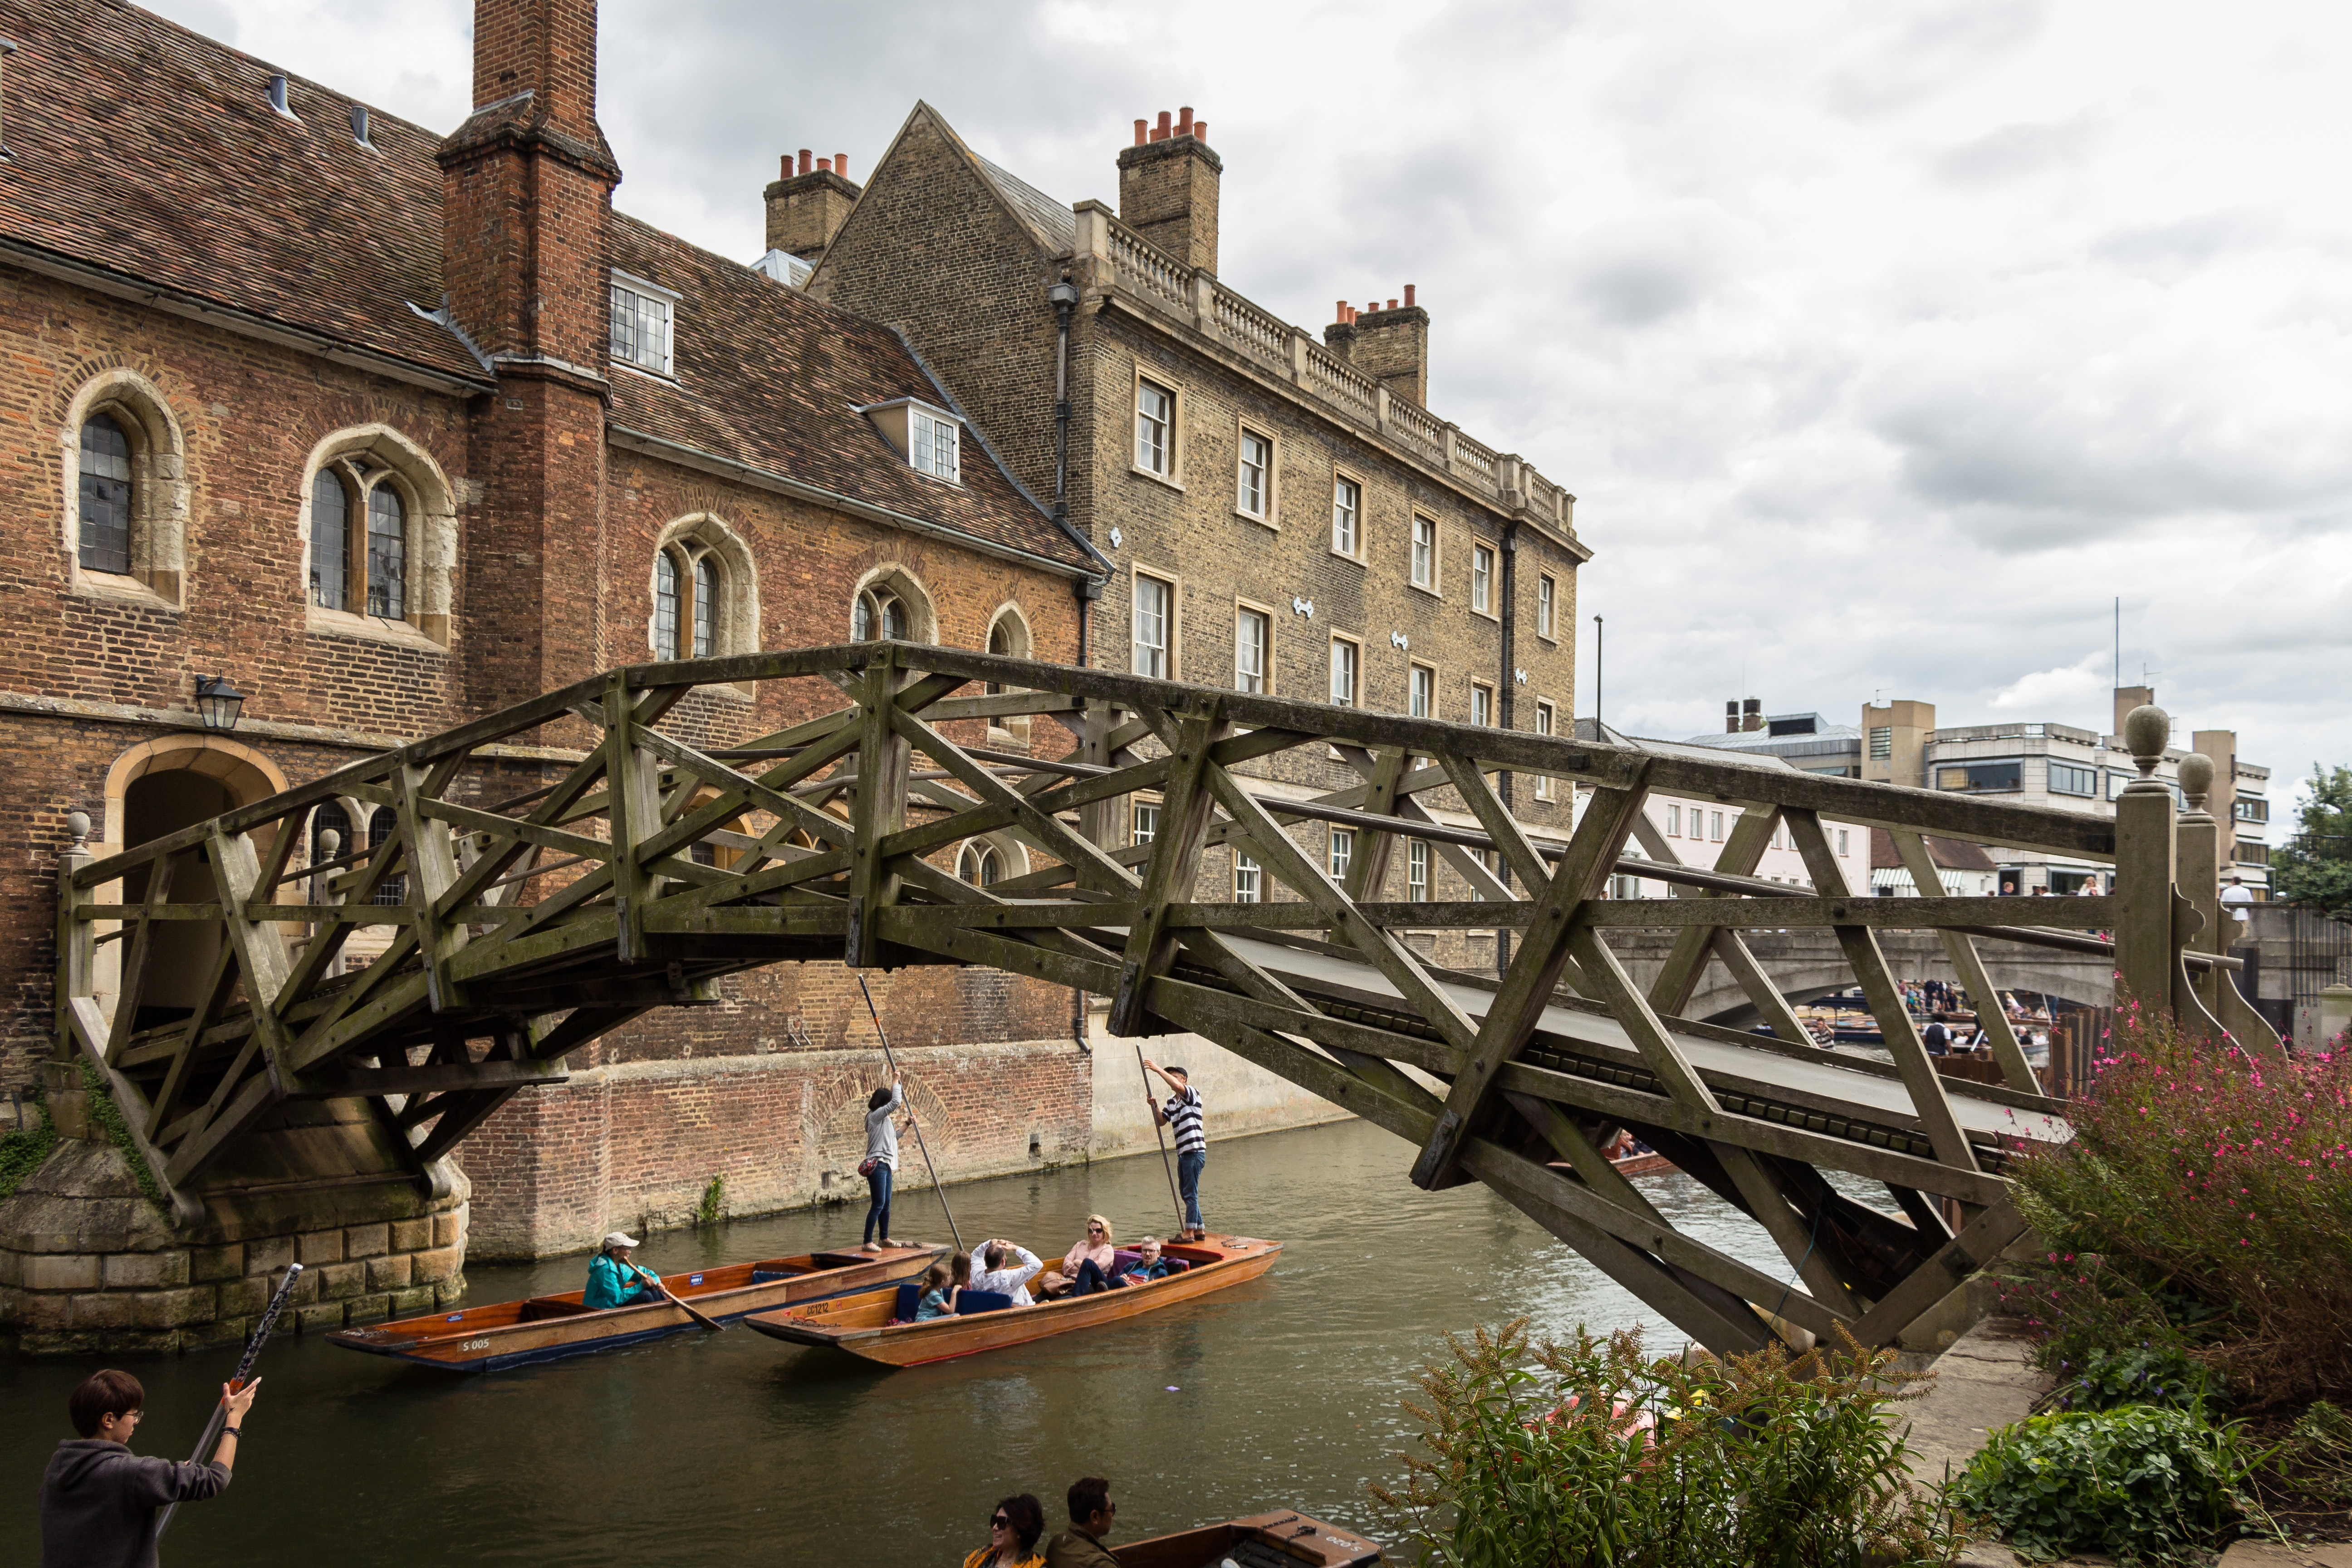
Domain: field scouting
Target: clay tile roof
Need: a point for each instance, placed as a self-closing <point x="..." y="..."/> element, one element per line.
<point x="143" y="149"/>
<point x="771" y="378"/>
<point x="1948" y="854"/>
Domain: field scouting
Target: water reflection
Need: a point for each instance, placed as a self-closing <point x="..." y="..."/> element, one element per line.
<point x="1281" y="1392"/>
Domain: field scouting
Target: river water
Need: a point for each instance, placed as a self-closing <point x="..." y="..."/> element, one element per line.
<point x="734" y="1449"/>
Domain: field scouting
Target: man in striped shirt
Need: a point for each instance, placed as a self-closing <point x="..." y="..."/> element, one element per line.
<point x="1182" y="1111"/>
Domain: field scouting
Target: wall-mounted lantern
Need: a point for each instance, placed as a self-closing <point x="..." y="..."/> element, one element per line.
<point x="219" y="703"/>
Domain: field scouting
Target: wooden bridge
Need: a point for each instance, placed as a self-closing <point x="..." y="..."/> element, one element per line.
<point x="526" y="927"/>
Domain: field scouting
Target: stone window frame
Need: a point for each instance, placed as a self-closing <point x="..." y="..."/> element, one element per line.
<point x="899" y="582"/>
<point x="1174" y="631"/>
<point x="1174" y="476"/>
<point x="689" y="541"/>
<point x="1548" y="608"/>
<point x="1335" y="864"/>
<point x="160" y="490"/>
<point x="1341" y="474"/>
<point x="1270" y="518"/>
<point x="1487" y="687"/>
<point x="1356" y="699"/>
<point x="1547" y="723"/>
<point x="1020" y="643"/>
<point x="1253" y="891"/>
<point x="1435" y="586"/>
<point x="1141" y="800"/>
<point x="1267" y="687"/>
<point x="1012" y="856"/>
<point x="1493" y="554"/>
<point x="368" y="456"/>
<point x="1414" y="668"/>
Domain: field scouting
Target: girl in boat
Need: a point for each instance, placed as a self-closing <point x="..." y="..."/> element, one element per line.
<point x="614" y="1280"/>
<point x="939" y="1287"/>
<point x="881" y="1163"/>
<point x="1013" y="1533"/>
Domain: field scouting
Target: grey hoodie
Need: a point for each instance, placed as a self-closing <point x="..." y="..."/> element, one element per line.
<point x="99" y="1501"/>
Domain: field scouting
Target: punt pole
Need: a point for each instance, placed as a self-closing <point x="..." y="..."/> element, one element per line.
<point x="918" y="1126"/>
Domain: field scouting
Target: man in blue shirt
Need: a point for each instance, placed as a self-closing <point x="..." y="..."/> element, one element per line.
<point x="614" y="1281"/>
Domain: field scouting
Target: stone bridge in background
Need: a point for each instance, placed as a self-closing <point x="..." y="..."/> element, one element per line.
<point x="1806" y="963"/>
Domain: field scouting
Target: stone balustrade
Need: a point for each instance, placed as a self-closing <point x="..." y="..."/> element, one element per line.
<point x="1128" y="262"/>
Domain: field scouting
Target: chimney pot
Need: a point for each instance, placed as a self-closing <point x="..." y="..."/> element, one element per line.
<point x="1200" y="131"/>
<point x="785" y="171"/>
<point x="841" y="164"/>
<point x="1339" y="311"/>
<point x="1160" y="131"/>
<point x="1408" y="294"/>
<point x="1392" y="304"/>
<point x="825" y="165"/>
<point x="808" y="160"/>
<point x="1142" y="132"/>
<point x="1184" y="121"/>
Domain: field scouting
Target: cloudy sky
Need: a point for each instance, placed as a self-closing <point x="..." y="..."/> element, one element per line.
<point x="1885" y="345"/>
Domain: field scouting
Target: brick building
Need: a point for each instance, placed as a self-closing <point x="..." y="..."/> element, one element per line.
<point x="1283" y="513"/>
<point x="389" y="430"/>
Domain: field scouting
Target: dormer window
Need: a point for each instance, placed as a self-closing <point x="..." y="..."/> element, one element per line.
<point x="643" y="316"/>
<point x="930" y="439"/>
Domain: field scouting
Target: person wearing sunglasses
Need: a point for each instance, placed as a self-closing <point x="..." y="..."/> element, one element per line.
<point x="1086" y="1266"/>
<point x="1013" y="1533"/>
<point x="1091" y="1513"/>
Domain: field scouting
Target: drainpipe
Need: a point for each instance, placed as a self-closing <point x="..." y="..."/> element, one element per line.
<point x="1505" y="706"/>
<point x="1063" y="297"/>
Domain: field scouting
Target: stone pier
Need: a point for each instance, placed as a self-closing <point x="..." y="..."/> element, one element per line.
<point x="91" y="1264"/>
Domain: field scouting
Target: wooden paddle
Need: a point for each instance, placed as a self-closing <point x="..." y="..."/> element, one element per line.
<point x="711" y="1323"/>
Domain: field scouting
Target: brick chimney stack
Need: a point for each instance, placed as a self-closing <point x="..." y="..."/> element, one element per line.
<point x="527" y="202"/>
<point x="1167" y="184"/>
<point x="807" y="209"/>
<point x="1390" y="345"/>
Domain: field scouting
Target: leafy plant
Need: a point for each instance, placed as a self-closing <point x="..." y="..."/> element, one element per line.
<point x="713" y="1206"/>
<point x="23" y="1150"/>
<point x="2161" y="1372"/>
<point x="1589" y="1454"/>
<point x="2139" y="1483"/>
<point x="2216" y="1188"/>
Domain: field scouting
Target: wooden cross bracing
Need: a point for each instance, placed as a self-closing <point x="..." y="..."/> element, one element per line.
<point x="639" y="874"/>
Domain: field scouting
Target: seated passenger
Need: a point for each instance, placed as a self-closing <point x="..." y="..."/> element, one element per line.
<point x="1086" y="1266"/>
<point x="614" y="1281"/>
<point x="939" y="1293"/>
<point x="1148" y="1264"/>
<point x="1001" y="1273"/>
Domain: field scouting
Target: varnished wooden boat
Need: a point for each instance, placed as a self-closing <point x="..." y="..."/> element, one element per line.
<point x="541" y="1328"/>
<point x="1284" y="1539"/>
<point x="866" y="1324"/>
<point x="1648" y="1163"/>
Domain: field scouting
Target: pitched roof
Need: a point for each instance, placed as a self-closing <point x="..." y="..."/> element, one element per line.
<point x="771" y="378"/>
<point x="145" y="150"/>
<point x="1055" y="220"/>
<point x="1948" y="854"/>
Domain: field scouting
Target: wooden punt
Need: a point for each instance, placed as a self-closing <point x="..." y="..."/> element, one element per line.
<point x="542" y="1328"/>
<point x="1284" y="1539"/>
<point x="864" y="1324"/>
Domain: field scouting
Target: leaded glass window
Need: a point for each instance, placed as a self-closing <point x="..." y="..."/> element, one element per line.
<point x="331" y="541"/>
<point x="105" y="495"/>
<point x="387" y="554"/>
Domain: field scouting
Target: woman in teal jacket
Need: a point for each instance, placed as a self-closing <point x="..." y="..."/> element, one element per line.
<point x="614" y="1281"/>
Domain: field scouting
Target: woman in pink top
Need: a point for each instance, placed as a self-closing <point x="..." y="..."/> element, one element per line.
<point x="1086" y="1268"/>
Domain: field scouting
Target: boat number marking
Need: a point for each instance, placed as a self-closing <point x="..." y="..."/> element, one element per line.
<point x="475" y="1345"/>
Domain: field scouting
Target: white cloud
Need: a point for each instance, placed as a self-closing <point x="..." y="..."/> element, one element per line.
<point x="1883" y="345"/>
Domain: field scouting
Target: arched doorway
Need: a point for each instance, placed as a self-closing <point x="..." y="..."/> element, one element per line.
<point x="155" y="789"/>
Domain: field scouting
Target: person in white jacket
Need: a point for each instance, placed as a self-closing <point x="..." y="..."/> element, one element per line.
<point x="1004" y="1273"/>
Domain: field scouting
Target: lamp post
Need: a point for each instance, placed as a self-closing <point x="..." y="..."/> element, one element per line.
<point x="219" y="704"/>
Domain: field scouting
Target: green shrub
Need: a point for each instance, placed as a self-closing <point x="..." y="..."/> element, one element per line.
<point x="2139" y="1483"/>
<point x="713" y="1207"/>
<point x="2161" y="1372"/>
<point x="1589" y="1454"/>
<point x="2216" y="1187"/>
<point x="108" y="1117"/>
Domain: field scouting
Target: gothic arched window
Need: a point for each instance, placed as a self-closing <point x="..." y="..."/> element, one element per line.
<point x="387" y="554"/>
<point x="981" y="863"/>
<point x="880" y="616"/>
<point x="106" y="495"/>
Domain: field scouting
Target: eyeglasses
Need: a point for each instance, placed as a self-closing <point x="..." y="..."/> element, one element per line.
<point x="1000" y="1523"/>
<point x="1094" y="1228"/>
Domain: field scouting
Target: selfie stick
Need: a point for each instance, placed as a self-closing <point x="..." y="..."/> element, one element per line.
<point x="237" y="1380"/>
